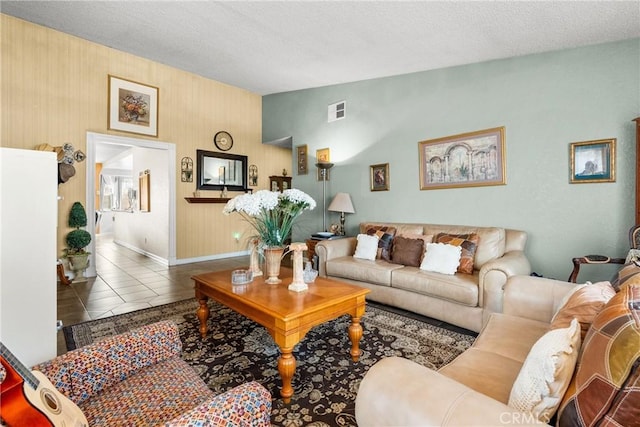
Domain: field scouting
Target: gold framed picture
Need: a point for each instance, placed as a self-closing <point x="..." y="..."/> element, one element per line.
<point x="593" y="161"/>
<point x="379" y="177"/>
<point x="132" y="106"/>
<point x="302" y="159"/>
<point x="467" y="160"/>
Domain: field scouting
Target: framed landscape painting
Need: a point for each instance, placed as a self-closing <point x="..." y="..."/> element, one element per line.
<point x="467" y="160"/>
<point x="593" y="161"/>
<point x="133" y="107"/>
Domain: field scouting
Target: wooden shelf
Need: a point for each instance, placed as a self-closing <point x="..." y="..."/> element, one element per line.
<point x="207" y="199"/>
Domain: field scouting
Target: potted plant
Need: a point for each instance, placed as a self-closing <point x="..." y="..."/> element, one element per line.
<point x="77" y="240"/>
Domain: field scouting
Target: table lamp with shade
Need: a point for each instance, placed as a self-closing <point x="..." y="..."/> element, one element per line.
<point x="341" y="203"/>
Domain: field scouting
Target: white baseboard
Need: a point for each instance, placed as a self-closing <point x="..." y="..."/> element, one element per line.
<point x="154" y="257"/>
<point x="210" y="257"/>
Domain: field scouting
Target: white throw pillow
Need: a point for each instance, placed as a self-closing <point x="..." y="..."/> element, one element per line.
<point x="546" y="373"/>
<point x="441" y="258"/>
<point x="367" y="247"/>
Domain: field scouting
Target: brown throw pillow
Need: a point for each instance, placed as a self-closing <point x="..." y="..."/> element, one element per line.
<point x="584" y="304"/>
<point x="385" y="235"/>
<point x="407" y="251"/>
<point x="468" y="243"/>
<point x="624" y="274"/>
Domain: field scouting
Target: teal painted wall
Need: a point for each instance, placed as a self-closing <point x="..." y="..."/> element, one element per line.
<point x="545" y="102"/>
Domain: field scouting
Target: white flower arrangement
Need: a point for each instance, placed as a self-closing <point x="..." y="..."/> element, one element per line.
<point x="271" y="213"/>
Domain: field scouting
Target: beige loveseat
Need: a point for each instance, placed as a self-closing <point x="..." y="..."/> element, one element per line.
<point x="465" y="300"/>
<point x="475" y="388"/>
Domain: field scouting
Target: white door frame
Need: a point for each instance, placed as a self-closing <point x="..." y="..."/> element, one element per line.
<point x="93" y="139"/>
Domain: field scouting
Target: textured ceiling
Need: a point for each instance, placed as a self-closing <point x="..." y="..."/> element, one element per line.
<point x="277" y="46"/>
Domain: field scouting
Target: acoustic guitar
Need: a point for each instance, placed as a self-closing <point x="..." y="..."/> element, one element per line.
<point x="27" y="398"/>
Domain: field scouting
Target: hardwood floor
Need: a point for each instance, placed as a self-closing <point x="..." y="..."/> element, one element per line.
<point x="128" y="281"/>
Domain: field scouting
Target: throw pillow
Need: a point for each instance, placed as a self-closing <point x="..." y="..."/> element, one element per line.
<point x="426" y="238"/>
<point x="546" y="372"/>
<point x="606" y="387"/>
<point x="407" y="251"/>
<point x="625" y="274"/>
<point x="441" y="258"/>
<point x="385" y="240"/>
<point x="366" y="247"/>
<point x="468" y="243"/>
<point x="583" y="304"/>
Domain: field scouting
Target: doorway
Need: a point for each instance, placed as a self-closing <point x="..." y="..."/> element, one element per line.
<point x="165" y="173"/>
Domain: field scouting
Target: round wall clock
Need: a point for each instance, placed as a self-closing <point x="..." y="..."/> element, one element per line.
<point x="223" y="140"/>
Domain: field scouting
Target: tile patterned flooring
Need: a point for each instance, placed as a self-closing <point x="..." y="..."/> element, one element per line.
<point x="128" y="281"/>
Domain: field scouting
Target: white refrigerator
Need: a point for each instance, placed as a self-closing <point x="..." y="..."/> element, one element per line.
<point x="28" y="222"/>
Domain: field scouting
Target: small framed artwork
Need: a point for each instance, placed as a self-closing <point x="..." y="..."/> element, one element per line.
<point x="593" y="161"/>
<point x="323" y="156"/>
<point x="302" y="160"/>
<point x="467" y="160"/>
<point x="379" y="177"/>
<point x="133" y="107"/>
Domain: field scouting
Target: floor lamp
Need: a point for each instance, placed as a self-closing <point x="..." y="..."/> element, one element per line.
<point x="324" y="170"/>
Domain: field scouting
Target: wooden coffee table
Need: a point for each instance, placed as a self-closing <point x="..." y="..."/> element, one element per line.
<point x="287" y="315"/>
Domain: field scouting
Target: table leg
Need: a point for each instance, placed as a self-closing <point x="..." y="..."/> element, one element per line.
<point x="355" y="333"/>
<point x="286" y="367"/>
<point x="203" y="315"/>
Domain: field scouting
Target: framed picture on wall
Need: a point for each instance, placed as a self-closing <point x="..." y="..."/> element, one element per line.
<point x="302" y="159"/>
<point x="467" y="160"/>
<point x="379" y="177"/>
<point x="323" y="155"/>
<point x="132" y="106"/>
<point x="593" y="161"/>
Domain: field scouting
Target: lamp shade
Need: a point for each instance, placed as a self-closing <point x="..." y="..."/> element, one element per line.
<point x="341" y="203"/>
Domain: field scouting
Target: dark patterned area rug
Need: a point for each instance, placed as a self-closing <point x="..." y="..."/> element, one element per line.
<point x="238" y="350"/>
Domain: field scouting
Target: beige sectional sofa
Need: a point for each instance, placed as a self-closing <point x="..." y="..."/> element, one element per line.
<point x="476" y="388"/>
<point x="465" y="300"/>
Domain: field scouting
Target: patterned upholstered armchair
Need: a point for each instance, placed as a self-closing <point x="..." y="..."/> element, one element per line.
<point x="138" y="378"/>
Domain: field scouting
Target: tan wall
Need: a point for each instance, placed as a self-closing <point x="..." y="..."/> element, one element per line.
<point x="54" y="90"/>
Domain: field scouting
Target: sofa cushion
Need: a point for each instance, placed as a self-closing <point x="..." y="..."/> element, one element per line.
<point x="441" y="258"/>
<point x="468" y="243"/>
<point x="377" y="272"/>
<point x="606" y="387"/>
<point x="367" y="247"/>
<point x="583" y="303"/>
<point x="546" y="373"/>
<point x="385" y="235"/>
<point x="407" y="251"/>
<point x="492" y="364"/>
<point x="460" y="288"/>
<point x="144" y="400"/>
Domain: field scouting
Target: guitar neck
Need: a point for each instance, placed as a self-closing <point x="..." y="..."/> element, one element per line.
<point x="22" y="370"/>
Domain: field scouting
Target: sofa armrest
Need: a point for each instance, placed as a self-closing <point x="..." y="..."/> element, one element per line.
<point x="330" y="249"/>
<point x="85" y="371"/>
<point x="493" y="276"/>
<point x="399" y="392"/>
<point x="246" y="405"/>
<point x="534" y="298"/>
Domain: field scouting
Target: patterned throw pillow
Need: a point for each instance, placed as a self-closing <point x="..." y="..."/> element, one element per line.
<point x="624" y="274"/>
<point x="468" y="243"/>
<point x="385" y="240"/>
<point x="605" y="389"/>
<point x="407" y="251"/>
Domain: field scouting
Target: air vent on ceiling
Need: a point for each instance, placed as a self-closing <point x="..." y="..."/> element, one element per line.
<point x="337" y="111"/>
